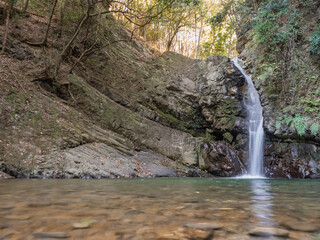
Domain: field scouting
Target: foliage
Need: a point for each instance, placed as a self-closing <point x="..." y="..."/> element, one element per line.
<point x="314" y="129"/>
<point x="278" y="30"/>
<point x="311" y="104"/>
<point x="222" y="35"/>
<point x="314" y="41"/>
<point x="288" y="120"/>
<point x="300" y="123"/>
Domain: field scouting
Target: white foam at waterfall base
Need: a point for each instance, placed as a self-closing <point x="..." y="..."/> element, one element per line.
<point x="255" y="125"/>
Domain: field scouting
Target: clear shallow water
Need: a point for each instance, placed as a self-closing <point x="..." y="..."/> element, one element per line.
<point x="160" y="208"/>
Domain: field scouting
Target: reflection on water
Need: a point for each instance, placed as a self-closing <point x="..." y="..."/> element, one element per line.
<point x="262" y="203"/>
<point x="158" y="208"/>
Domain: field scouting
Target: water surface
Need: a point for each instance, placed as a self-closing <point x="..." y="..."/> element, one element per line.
<point x="160" y="208"/>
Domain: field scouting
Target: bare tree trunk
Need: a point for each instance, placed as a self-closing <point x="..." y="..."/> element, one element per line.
<point x="49" y="23"/>
<point x="66" y="48"/>
<point x="9" y="9"/>
<point x="195" y="34"/>
<point x="174" y="34"/>
<point x="25" y="7"/>
<point x="62" y="6"/>
<point x="199" y="39"/>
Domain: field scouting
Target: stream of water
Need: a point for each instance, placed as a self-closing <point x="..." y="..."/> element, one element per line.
<point x="184" y="208"/>
<point x="255" y="122"/>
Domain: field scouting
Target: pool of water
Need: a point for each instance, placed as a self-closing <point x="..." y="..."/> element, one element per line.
<point x="185" y="208"/>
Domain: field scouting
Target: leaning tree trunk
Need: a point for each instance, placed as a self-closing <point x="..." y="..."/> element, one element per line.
<point x="61" y="20"/>
<point x="195" y="35"/>
<point x="44" y="41"/>
<point x="199" y="39"/>
<point x="9" y="10"/>
<point x="25" y="7"/>
<point x="66" y="48"/>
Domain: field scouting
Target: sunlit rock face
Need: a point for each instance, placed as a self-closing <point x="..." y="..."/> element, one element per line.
<point x="217" y="95"/>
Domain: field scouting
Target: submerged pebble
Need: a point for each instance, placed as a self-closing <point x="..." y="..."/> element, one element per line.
<point x="268" y="232"/>
<point x="300" y="226"/>
<point x="51" y="235"/>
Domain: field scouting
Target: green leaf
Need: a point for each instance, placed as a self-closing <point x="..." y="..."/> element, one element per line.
<point x="300" y="124"/>
<point x="288" y="119"/>
<point x="314" y="129"/>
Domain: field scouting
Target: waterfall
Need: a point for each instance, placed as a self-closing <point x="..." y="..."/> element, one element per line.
<point x="255" y="125"/>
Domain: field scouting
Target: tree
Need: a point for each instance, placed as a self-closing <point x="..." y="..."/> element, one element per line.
<point x="45" y="38"/>
<point x="8" y="14"/>
<point x="97" y="9"/>
<point x="25" y="6"/>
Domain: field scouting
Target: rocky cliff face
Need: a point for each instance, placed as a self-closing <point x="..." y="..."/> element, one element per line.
<point x="121" y="112"/>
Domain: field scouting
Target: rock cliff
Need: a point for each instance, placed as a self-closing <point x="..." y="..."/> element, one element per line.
<point x="121" y="112"/>
<point x="127" y="111"/>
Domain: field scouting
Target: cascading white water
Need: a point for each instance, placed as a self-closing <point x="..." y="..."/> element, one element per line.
<point x="255" y="119"/>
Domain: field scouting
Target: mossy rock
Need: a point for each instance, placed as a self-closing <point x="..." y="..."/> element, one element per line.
<point x="228" y="136"/>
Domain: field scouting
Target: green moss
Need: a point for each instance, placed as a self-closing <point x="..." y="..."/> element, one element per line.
<point x="170" y="117"/>
<point x="228" y="136"/>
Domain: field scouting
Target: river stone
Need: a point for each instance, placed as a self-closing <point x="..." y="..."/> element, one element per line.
<point x="301" y="235"/>
<point x="199" y="233"/>
<point x="4" y="175"/>
<point x="4" y="236"/>
<point x="80" y="225"/>
<point x="269" y="232"/>
<point x="51" y="235"/>
<point x="18" y="217"/>
<point x="300" y="226"/>
<point x="39" y="204"/>
<point x="204" y="226"/>
<point x="3" y="226"/>
<point x="83" y="225"/>
<point x="8" y="207"/>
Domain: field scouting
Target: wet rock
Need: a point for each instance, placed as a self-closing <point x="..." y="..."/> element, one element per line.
<point x="269" y="232"/>
<point x="220" y="159"/>
<point x="3" y="226"/>
<point x="5" y="236"/>
<point x="302" y="227"/>
<point x="299" y="235"/>
<point x="204" y="226"/>
<point x="8" y="207"/>
<point x="199" y="234"/>
<point x="4" y="175"/>
<point x="18" y="217"/>
<point x="291" y="160"/>
<point x="52" y="235"/>
<point x="39" y="204"/>
<point x="82" y="225"/>
<point x="201" y="230"/>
